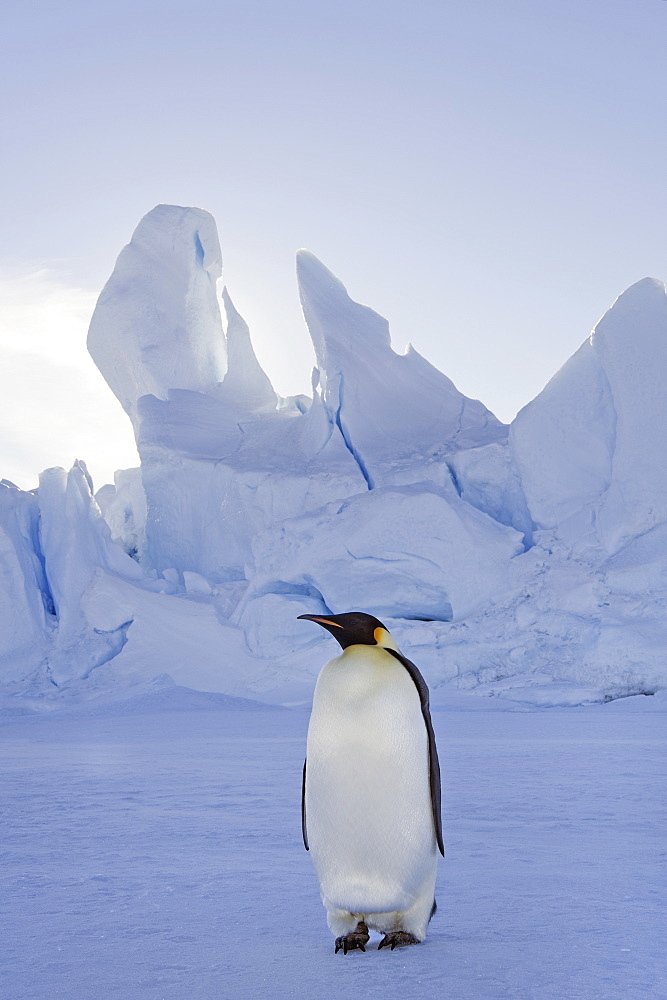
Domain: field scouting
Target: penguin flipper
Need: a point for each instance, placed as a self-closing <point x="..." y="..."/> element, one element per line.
<point x="304" y="832"/>
<point x="433" y="762"/>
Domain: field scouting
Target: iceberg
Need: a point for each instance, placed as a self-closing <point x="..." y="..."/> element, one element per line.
<point x="527" y="562"/>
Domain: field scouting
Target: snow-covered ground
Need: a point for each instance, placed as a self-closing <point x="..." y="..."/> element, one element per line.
<point x="151" y="850"/>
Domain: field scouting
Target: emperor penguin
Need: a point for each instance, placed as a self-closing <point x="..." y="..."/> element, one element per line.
<point x="370" y="807"/>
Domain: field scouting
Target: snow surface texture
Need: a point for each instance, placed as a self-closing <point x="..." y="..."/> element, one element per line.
<point x="527" y="562"/>
<point x="153" y="852"/>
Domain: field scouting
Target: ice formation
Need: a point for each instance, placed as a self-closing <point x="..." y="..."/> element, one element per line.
<point x="392" y="410"/>
<point x="156" y="325"/>
<point x="528" y="561"/>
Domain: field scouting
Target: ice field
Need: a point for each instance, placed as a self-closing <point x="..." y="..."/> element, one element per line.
<point x="152" y="852"/>
<point x="154" y="678"/>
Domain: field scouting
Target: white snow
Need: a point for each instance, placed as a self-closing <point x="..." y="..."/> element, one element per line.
<point x="152" y="850"/>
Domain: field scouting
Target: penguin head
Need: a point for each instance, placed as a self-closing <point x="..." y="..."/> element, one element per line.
<point x="355" y="628"/>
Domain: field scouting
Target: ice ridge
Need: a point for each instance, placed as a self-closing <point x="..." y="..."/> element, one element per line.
<point x="527" y="562"/>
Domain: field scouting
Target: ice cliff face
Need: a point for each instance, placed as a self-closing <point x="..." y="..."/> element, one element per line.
<point x="592" y="448"/>
<point x="529" y="561"/>
<point x="26" y="604"/>
<point x="392" y="410"/>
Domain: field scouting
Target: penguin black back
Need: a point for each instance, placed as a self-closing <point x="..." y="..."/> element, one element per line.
<point x="433" y="761"/>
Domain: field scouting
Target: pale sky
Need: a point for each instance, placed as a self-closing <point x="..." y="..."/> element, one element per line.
<point x="488" y="176"/>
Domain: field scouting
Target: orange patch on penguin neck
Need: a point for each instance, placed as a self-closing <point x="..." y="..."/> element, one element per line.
<point x="384" y="638"/>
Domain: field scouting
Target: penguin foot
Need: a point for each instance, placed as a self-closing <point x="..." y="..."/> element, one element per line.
<point x="397" y="939"/>
<point x="357" y="939"/>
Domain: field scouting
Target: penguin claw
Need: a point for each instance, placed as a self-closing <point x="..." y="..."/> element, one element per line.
<point x="397" y="939"/>
<point x="358" y="939"/>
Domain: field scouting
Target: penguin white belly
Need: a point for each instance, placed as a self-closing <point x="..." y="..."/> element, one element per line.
<point x="368" y="804"/>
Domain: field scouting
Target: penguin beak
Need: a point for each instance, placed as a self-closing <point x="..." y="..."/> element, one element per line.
<point x="322" y="621"/>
